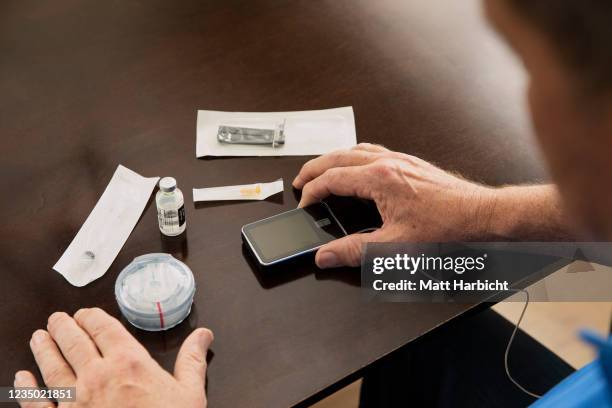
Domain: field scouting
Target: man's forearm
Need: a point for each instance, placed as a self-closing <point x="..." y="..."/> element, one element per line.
<point x="528" y="213"/>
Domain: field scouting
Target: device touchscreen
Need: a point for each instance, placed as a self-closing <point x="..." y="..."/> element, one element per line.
<point x="291" y="233"/>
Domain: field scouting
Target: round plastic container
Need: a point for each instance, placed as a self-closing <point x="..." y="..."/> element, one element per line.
<point x="155" y="291"/>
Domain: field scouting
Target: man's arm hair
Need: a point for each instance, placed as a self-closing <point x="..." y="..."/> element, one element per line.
<point x="528" y="213"/>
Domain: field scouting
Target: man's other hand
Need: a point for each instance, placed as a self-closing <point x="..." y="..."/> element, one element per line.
<point x="93" y="352"/>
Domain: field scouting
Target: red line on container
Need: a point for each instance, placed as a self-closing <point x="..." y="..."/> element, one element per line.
<point x="161" y="315"/>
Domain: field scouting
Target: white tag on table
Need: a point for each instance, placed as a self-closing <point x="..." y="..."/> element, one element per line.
<point x="108" y="226"/>
<point x="257" y="191"/>
<point x="306" y="133"/>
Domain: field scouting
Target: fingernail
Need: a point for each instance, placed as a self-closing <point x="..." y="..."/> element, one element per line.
<point x="79" y="312"/>
<point x="20" y="378"/>
<point x="53" y="317"/>
<point x="327" y="260"/>
<point x="38" y="337"/>
<point x="206" y="337"/>
<point x="295" y="181"/>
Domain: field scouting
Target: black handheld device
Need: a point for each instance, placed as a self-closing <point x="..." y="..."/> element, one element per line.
<point x="292" y="233"/>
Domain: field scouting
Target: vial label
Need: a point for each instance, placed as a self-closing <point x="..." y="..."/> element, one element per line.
<point x="171" y="221"/>
<point x="181" y="215"/>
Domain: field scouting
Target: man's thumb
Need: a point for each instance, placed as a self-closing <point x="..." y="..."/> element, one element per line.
<point x="345" y="251"/>
<point x="190" y="366"/>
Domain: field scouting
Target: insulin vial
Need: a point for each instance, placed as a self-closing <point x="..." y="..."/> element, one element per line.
<point x="170" y="207"/>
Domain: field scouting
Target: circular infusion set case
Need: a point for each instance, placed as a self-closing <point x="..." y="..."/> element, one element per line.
<point x="155" y="291"/>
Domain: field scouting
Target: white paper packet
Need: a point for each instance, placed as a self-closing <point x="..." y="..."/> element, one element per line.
<point x="108" y="226"/>
<point x="313" y="132"/>
<point x="256" y="191"/>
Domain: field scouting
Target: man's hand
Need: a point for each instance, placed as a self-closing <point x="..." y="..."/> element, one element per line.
<point x="417" y="201"/>
<point x="109" y="368"/>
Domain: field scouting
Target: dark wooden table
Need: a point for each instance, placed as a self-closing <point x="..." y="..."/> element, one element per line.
<point x="87" y="85"/>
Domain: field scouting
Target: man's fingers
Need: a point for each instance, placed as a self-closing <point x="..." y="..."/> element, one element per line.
<point x="345" y="251"/>
<point x="107" y="333"/>
<point x="190" y="366"/>
<point x="26" y="379"/>
<point x="76" y="346"/>
<point x="341" y="181"/>
<point x="54" y="369"/>
<point x="341" y="158"/>
<point x="370" y="147"/>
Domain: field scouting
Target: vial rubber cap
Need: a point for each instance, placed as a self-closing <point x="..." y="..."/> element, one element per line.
<point x="155" y="291"/>
<point x="167" y="184"/>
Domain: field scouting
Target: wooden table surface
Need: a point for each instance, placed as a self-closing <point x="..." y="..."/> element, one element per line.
<point x="87" y="85"/>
